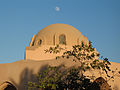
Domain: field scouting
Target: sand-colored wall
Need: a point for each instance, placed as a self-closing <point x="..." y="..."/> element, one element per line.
<point x="38" y="52"/>
<point x="49" y="37"/>
<point x="19" y="73"/>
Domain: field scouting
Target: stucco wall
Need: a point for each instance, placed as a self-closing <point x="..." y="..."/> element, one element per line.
<point x="19" y="73"/>
<point x="50" y="37"/>
<point x="38" y="52"/>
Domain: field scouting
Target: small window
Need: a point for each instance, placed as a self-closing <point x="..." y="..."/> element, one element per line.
<point x="40" y="42"/>
<point x="62" y="39"/>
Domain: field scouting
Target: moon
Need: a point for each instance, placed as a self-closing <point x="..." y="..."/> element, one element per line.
<point x="57" y="8"/>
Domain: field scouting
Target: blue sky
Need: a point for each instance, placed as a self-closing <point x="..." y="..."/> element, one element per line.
<point x="99" y="20"/>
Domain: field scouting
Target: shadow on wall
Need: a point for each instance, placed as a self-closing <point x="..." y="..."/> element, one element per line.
<point x="27" y="75"/>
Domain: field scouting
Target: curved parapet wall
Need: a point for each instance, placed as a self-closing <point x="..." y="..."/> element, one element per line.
<point x="21" y="72"/>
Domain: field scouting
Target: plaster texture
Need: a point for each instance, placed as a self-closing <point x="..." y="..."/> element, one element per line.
<point x="19" y="73"/>
<point x="49" y="37"/>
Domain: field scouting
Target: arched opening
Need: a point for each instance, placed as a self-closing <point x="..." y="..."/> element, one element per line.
<point x="7" y="86"/>
<point x="62" y="39"/>
<point x="40" y="42"/>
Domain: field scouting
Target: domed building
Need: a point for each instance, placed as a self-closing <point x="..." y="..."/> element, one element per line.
<point x="52" y="35"/>
<point x="16" y="75"/>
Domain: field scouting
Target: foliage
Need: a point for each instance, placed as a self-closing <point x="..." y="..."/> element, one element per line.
<point x="85" y="54"/>
<point x="53" y="79"/>
<point x="74" y="78"/>
<point x="55" y="49"/>
<point x="49" y="78"/>
<point x="76" y="81"/>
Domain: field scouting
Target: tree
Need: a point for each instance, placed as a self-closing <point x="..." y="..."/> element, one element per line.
<point x="74" y="78"/>
<point x="85" y="54"/>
